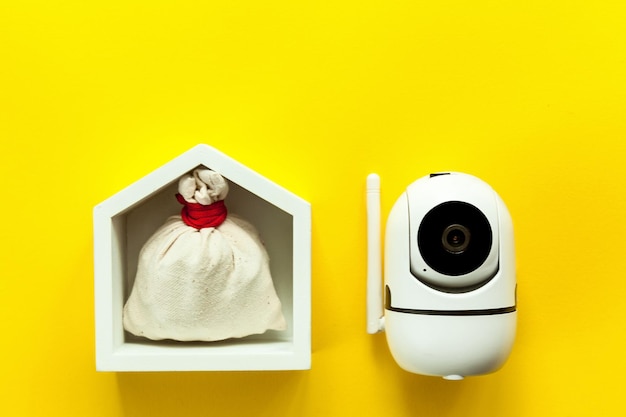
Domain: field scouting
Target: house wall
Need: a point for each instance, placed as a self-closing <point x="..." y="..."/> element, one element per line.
<point x="530" y="96"/>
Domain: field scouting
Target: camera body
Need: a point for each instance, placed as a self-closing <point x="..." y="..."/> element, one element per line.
<point x="450" y="279"/>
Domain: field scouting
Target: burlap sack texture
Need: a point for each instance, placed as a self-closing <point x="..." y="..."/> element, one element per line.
<point x="203" y="284"/>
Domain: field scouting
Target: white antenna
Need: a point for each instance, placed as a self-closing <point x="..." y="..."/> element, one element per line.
<point x="375" y="319"/>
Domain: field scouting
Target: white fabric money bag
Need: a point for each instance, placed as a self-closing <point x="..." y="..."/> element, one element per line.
<point x="204" y="275"/>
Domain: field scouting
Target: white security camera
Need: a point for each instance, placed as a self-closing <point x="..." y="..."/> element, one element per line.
<point x="449" y="281"/>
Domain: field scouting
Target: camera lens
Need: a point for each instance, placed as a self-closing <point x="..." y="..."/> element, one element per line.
<point x="454" y="238"/>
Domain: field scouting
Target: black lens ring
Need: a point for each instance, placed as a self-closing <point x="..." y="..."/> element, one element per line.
<point x="453" y="233"/>
<point x="449" y="259"/>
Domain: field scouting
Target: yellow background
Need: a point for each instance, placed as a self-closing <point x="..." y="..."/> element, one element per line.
<point x="528" y="95"/>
